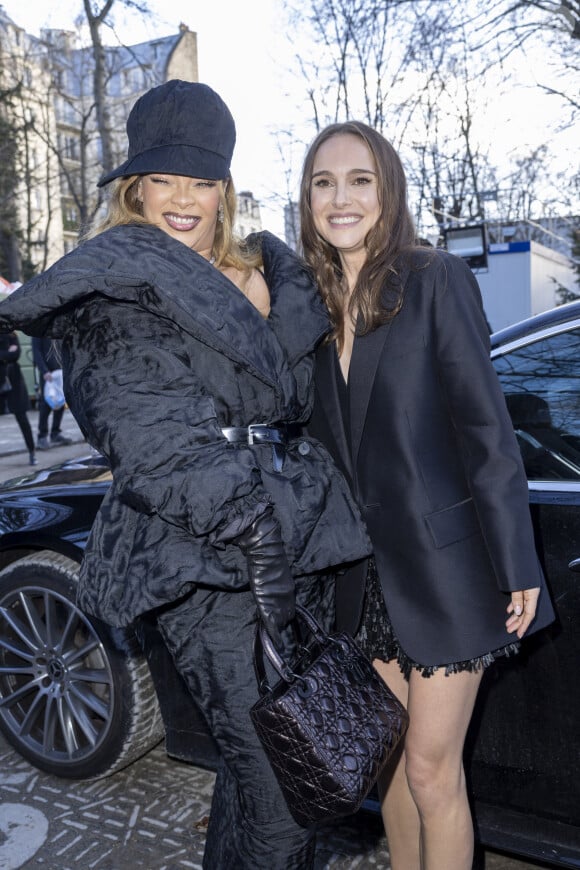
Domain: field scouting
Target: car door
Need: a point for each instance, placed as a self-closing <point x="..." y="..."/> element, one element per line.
<point x="524" y="746"/>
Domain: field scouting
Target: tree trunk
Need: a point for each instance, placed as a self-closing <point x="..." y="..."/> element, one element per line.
<point x="99" y="81"/>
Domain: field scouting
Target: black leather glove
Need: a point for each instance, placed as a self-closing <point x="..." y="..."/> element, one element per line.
<point x="270" y="577"/>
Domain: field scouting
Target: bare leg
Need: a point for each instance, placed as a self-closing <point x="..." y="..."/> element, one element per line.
<point x="398" y="809"/>
<point x="425" y="808"/>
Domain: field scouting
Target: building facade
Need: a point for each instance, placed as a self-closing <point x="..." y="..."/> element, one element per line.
<point x="51" y="145"/>
<point x="31" y="223"/>
<point x="248" y="218"/>
<point x="130" y="71"/>
<point x="292" y="224"/>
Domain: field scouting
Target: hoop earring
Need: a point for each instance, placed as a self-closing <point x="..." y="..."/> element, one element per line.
<point x="220" y="213"/>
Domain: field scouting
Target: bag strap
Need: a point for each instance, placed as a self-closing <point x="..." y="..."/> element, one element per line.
<point x="264" y="645"/>
<point x="258" y="656"/>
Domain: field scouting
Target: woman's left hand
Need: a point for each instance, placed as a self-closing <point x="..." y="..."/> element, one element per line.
<point x="522" y="609"/>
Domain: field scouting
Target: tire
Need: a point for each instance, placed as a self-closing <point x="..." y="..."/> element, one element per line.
<point x="76" y="697"/>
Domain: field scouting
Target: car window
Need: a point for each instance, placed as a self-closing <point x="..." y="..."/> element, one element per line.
<point x="541" y="384"/>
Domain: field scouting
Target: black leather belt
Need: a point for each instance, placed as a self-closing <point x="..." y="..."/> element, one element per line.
<point x="277" y="435"/>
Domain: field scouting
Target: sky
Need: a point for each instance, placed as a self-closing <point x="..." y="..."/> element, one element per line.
<point x="242" y="53"/>
<point x="245" y="53"/>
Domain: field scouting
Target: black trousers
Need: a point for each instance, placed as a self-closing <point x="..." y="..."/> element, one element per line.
<point x="44" y="411"/>
<point x="210" y="636"/>
<point x="25" y="428"/>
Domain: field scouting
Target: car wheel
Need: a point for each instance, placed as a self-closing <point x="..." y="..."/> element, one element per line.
<point x="76" y="696"/>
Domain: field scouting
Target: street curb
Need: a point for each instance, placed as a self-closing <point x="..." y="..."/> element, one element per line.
<point x="13" y="451"/>
<point x="12" y="441"/>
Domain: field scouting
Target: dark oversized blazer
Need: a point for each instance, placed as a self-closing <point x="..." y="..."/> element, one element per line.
<point x="160" y="351"/>
<point x="435" y="467"/>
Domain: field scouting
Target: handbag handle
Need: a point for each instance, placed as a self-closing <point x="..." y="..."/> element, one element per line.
<point x="263" y="644"/>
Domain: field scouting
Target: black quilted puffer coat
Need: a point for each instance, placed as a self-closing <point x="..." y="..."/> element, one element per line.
<point x="160" y="351"/>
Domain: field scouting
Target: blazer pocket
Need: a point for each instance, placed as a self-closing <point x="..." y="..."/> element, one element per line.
<point x="453" y="523"/>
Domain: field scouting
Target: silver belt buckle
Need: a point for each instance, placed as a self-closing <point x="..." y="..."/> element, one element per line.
<point x="254" y="427"/>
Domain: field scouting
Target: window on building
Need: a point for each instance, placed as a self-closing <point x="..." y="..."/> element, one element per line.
<point x="70" y="216"/>
<point x="132" y="79"/>
<point x="70" y="146"/>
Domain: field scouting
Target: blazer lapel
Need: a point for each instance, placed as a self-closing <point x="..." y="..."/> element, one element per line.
<point x="366" y="353"/>
<point x="327" y="390"/>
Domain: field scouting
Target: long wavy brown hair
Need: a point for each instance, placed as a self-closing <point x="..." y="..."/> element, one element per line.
<point x="124" y="207"/>
<point x="378" y="293"/>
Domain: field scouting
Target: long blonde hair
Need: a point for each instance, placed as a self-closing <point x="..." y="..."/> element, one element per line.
<point x="377" y="295"/>
<point x="124" y="207"/>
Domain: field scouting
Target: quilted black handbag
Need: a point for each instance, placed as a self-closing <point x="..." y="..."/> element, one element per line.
<point x="328" y="726"/>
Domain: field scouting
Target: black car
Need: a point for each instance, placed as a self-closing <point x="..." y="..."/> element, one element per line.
<point x="79" y="699"/>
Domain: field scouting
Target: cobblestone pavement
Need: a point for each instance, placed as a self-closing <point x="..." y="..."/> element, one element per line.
<point x="152" y="815"/>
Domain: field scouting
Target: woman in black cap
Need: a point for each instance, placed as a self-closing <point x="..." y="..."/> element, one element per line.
<point x="190" y="368"/>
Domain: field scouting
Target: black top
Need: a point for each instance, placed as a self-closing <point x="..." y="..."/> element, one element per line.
<point x="343" y="391"/>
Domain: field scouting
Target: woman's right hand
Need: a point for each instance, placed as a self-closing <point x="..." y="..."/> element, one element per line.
<point x="522" y="609"/>
<point x="270" y="577"/>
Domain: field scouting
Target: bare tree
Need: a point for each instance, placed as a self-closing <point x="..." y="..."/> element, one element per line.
<point x="34" y="174"/>
<point x="510" y="27"/>
<point x="362" y="50"/>
<point x="30" y="184"/>
<point x="75" y="144"/>
<point x="10" y="260"/>
<point x="417" y="71"/>
<point x="447" y="165"/>
<point x="515" y="22"/>
<point x="80" y="92"/>
<point x="97" y="17"/>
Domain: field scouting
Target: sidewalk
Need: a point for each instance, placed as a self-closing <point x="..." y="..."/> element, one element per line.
<point x="14" y="453"/>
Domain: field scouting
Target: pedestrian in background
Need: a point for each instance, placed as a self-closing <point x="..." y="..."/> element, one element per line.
<point x="17" y="398"/>
<point x="409" y="404"/>
<point x="45" y="353"/>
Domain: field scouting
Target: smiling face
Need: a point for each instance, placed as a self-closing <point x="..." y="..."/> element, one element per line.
<point x="185" y="208"/>
<point x="344" y="195"/>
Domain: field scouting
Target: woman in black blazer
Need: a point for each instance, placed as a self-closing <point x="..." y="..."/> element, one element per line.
<point x="410" y="407"/>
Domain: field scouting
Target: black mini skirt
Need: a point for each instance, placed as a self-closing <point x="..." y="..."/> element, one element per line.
<point x="376" y="637"/>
